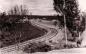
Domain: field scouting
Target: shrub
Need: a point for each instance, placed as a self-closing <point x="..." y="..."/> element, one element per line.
<point x="37" y="47"/>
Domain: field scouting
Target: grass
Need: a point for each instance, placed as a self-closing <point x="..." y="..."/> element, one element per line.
<point x="19" y="33"/>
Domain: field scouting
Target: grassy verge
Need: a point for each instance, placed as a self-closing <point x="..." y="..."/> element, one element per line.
<point x="19" y="33"/>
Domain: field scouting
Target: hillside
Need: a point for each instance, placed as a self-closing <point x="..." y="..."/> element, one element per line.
<point x="19" y="33"/>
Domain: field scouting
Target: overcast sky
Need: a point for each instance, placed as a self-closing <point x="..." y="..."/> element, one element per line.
<point x="37" y="7"/>
<point x="82" y="5"/>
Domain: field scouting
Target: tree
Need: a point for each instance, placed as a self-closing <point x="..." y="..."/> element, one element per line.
<point x="70" y="11"/>
<point x="18" y="10"/>
<point x="70" y="14"/>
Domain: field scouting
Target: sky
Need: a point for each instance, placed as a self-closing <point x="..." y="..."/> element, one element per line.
<point x="82" y="5"/>
<point x="36" y="7"/>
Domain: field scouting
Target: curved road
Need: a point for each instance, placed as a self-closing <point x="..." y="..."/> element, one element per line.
<point x="51" y="33"/>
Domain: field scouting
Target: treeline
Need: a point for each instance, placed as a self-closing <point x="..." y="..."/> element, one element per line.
<point x="69" y="8"/>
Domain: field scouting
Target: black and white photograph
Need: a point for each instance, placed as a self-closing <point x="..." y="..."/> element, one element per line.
<point x="42" y="26"/>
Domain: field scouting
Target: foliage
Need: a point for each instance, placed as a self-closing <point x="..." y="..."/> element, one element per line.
<point x="5" y="22"/>
<point x="70" y="10"/>
<point x="20" y="33"/>
<point x="37" y="47"/>
<point x="18" y="10"/>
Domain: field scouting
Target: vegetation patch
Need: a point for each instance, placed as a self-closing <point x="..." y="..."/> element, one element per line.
<point x="18" y="33"/>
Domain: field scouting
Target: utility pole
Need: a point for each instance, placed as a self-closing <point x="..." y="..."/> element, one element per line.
<point x="63" y="13"/>
<point x="65" y="28"/>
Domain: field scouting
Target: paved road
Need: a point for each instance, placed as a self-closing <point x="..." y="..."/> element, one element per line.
<point x="65" y="51"/>
<point x="51" y="33"/>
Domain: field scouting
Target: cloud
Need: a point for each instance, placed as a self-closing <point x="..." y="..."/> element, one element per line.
<point x="37" y="7"/>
